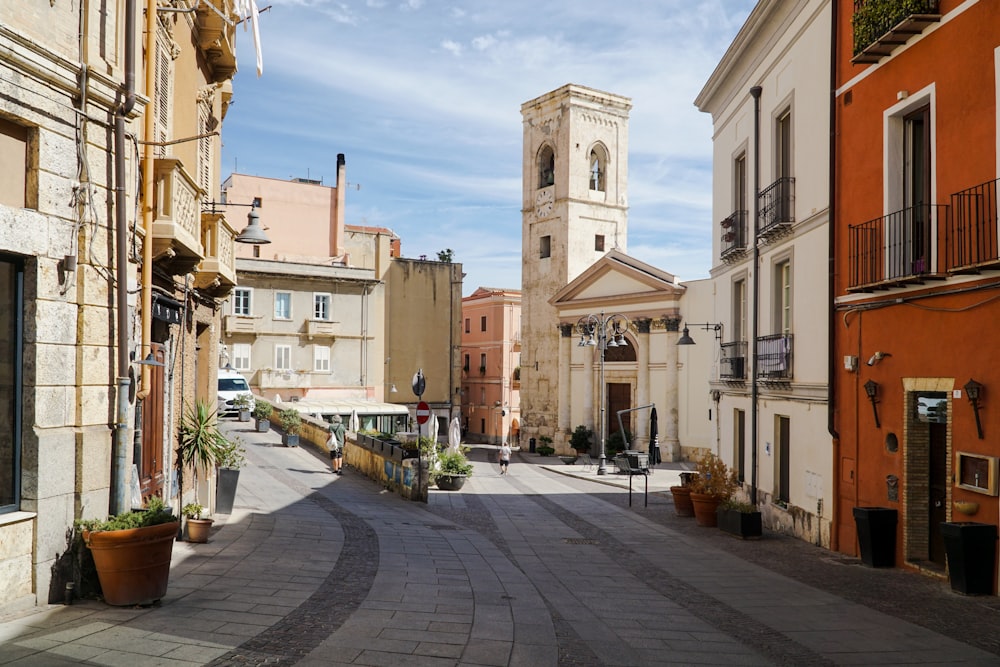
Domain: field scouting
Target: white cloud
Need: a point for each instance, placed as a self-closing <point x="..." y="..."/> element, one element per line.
<point x="452" y="47"/>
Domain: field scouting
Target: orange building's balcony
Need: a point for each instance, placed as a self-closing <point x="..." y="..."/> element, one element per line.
<point x="176" y="217"/>
<point x="972" y="230"/>
<point x="882" y="26"/>
<point x="896" y="249"/>
<point x="218" y="269"/>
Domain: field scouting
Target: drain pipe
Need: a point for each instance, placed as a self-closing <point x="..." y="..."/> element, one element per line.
<point x="831" y="396"/>
<point x="119" y="462"/>
<point x="754" y="393"/>
<point x="146" y="284"/>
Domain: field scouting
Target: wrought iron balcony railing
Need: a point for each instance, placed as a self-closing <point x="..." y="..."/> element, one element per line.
<point x="734" y="234"/>
<point x="972" y="229"/>
<point x="882" y="26"/>
<point x="733" y="361"/>
<point x="896" y="248"/>
<point x="777" y="207"/>
<point x="773" y="358"/>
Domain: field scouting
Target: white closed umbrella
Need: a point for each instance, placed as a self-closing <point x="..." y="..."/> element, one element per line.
<point x="354" y="424"/>
<point x="454" y="435"/>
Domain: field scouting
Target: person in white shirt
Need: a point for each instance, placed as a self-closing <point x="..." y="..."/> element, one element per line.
<point x="504" y="458"/>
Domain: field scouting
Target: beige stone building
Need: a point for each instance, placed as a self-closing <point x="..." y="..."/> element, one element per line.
<point x="491" y="365"/>
<point x="329" y="315"/>
<point x="110" y="147"/>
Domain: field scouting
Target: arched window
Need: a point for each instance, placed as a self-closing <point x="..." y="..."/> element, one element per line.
<point x="546" y="167"/>
<point x="598" y="168"/>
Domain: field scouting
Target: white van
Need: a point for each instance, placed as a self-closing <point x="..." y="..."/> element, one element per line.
<point x="231" y="385"/>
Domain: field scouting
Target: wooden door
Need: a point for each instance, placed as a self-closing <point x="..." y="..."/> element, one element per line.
<point x="150" y="457"/>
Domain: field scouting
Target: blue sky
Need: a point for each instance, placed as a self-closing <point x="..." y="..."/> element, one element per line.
<point x="423" y="98"/>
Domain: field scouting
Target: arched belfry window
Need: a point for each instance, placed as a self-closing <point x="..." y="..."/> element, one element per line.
<point x="546" y="167"/>
<point x="597" y="172"/>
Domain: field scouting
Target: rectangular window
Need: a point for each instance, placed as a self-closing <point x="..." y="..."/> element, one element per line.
<point x="599" y="242"/>
<point x="11" y="381"/>
<point x="740" y="183"/>
<point x="482" y="362"/>
<point x="239" y="356"/>
<point x="545" y="247"/>
<point x="467" y="324"/>
<point x="242" y="301"/>
<point x="782" y="450"/>
<point x="282" y="305"/>
<point x="13" y="164"/>
<point x="482" y="399"/>
<point x="465" y="367"/>
<point x="739" y="442"/>
<point x="739" y="310"/>
<point x="783" y="297"/>
<point x="783" y="144"/>
<point x="282" y="357"/>
<point x="321" y="359"/>
<point x="321" y="306"/>
<point x="482" y="323"/>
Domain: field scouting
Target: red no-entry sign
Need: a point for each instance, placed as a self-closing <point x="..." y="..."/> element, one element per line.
<point x="423" y="412"/>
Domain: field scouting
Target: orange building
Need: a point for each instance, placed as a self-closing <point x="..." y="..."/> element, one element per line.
<point x="491" y="365"/>
<point x="916" y="282"/>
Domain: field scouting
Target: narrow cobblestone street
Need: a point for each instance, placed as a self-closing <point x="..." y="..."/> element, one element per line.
<point x="533" y="568"/>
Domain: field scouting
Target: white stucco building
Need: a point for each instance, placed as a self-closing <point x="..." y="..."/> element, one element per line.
<point x="770" y="104"/>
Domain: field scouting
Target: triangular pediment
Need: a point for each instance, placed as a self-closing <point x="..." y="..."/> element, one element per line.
<point x="618" y="278"/>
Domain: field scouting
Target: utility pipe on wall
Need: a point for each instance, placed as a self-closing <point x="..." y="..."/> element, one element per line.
<point x="119" y="465"/>
<point x="754" y="393"/>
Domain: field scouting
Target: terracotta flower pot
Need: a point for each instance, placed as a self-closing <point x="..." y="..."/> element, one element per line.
<point x="133" y="565"/>
<point x="198" y="529"/>
<point x="705" y="506"/>
<point x="682" y="500"/>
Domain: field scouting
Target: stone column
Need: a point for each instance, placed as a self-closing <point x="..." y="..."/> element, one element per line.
<point x="671" y="440"/>
<point x="641" y="417"/>
<point x="565" y="379"/>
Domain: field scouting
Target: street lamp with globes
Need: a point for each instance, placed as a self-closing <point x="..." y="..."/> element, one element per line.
<point x="603" y="331"/>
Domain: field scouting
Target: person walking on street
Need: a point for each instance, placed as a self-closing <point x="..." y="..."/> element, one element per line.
<point x="504" y="458"/>
<point x="336" y="444"/>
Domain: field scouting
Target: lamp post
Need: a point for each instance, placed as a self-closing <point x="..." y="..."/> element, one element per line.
<point x="603" y="331"/>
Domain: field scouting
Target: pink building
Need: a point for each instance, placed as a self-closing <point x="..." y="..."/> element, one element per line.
<point x="491" y="365"/>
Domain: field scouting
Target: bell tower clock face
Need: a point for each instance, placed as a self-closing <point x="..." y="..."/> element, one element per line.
<point x="543" y="203"/>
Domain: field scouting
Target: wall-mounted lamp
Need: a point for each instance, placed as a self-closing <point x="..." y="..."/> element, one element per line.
<point x="686" y="339"/>
<point x="253" y="233"/>
<point x="974" y="390"/>
<point x="871" y="389"/>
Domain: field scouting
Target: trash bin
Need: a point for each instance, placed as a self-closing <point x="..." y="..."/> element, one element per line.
<point x="876" y="535"/>
<point x="971" y="549"/>
<point x="531" y="445"/>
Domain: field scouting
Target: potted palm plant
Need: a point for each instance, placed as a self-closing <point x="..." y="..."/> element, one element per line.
<point x="453" y="470"/>
<point x="714" y="484"/>
<point x="262" y="416"/>
<point x="132" y="553"/>
<point x="200" y="442"/>
<point x="291" y="423"/>
<point x="197" y="527"/>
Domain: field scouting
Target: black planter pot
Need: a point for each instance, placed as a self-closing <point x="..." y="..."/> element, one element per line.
<point x="263" y="425"/>
<point x="740" y="524"/>
<point x="225" y="494"/>
<point x="876" y="535"/>
<point x="450" y="482"/>
<point x="289" y="440"/>
<point x="971" y="549"/>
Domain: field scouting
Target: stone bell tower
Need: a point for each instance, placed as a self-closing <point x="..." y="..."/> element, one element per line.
<point x="574" y="209"/>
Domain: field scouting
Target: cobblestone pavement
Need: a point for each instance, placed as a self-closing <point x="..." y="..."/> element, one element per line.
<point x="531" y="568"/>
